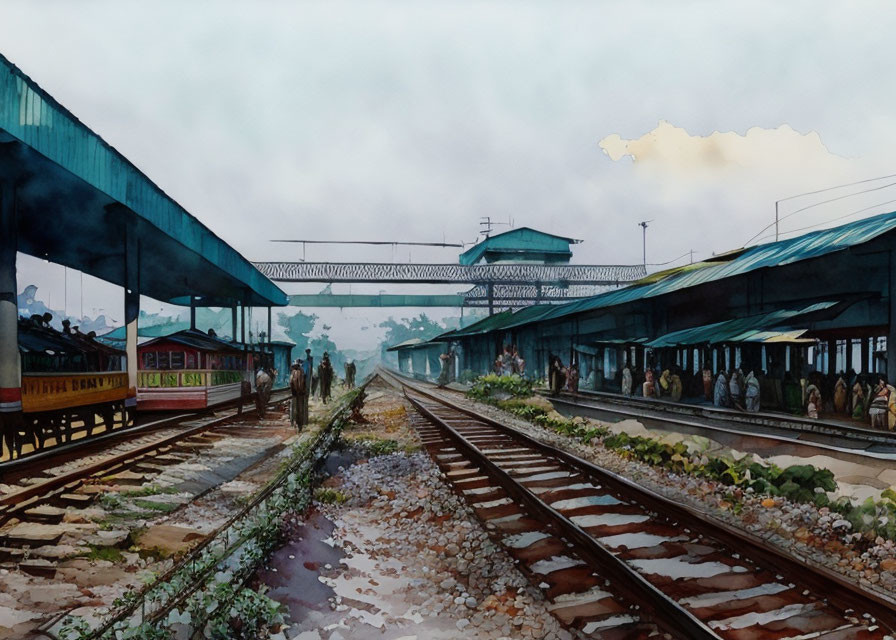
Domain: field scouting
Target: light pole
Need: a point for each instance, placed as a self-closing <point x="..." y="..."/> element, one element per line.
<point x="643" y="224"/>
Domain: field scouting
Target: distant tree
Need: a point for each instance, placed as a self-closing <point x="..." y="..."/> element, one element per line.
<point x="417" y="327"/>
<point x="297" y="328"/>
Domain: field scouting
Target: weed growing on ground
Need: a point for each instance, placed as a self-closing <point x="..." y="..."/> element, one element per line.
<point x="330" y="496"/>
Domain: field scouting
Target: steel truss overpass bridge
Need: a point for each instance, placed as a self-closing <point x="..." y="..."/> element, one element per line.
<point x="495" y="285"/>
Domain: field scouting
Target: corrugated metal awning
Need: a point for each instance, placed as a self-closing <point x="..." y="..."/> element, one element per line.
<point x="776" y="326"/>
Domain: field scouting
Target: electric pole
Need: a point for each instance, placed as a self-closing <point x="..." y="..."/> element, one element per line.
<point x="643" y="226"/>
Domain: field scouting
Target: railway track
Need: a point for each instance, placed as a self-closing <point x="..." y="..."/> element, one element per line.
<point x="39" y="484"/>
<point x="619" y="561"/>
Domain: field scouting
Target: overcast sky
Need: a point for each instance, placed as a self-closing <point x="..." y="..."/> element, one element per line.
<point x="411" y="120"/>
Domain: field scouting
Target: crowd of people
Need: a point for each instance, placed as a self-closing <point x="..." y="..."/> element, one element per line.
<point x="305" y="382"/>
<point x="866" y="397"/>
<point x="510" y="362"/>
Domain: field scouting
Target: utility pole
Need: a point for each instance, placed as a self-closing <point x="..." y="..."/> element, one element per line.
<point x="776" y="220"/>
<point x="692" y="255"/>
<point x="643" y="226"/>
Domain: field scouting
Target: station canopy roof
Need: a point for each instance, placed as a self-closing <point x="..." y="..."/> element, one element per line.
<point x="407" y="344"/>
<point x="767" y="328"/>
<point x="735" y="263"/>
<point x="77" y="198"/>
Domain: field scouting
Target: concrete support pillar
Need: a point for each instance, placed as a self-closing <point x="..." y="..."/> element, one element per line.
<point x="891" y="326"/>
<point x="866" y="356"/>
<point x="832" y="357"/>
<point x="269" y="325"/>
<point x="233" y="323"/>
<point x="10" y="363"/>
<point x="243" y="323"/>
<point x="131" y="313"/>
<point x="192" y="313"/>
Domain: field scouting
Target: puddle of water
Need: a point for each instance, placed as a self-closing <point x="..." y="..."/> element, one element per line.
<point x="584" y="501"/>
<point x="713" y="599"/>
<point x="676" y="568"/>
<point x="608" y="519"/>
<point x="523" y="540"/>
<point x="637" y="540"/>
<point x="294" y="581"/>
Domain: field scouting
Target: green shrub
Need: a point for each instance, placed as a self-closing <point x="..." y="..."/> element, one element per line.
<point x="486" y="387"/>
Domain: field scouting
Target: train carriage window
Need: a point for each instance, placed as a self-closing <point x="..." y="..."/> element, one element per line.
<point x="177" y="359"/>
<point x="164" y="360"/>
<point x="191" y="360"/>
<point x="149" y="360"/>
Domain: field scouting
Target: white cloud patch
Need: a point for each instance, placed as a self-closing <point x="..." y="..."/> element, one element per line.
<point x="671" y="148"/>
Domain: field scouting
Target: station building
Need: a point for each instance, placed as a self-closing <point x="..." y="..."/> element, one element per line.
<point x="818" y="303"/>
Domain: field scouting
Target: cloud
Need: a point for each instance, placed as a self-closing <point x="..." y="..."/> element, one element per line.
<point x="668" y="148"/>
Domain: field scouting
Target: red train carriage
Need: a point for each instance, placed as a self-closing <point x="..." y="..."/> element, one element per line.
<point x="192" y="370"/>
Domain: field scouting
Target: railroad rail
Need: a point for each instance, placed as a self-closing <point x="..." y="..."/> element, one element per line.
<point x="36" y="493"/>
<point x="233" y="546"/>
<point x="694" y="577"/>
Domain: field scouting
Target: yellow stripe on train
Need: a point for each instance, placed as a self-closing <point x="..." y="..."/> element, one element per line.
<point x="49" y="392"/>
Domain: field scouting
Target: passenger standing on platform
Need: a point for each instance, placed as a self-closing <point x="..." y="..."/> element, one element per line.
<point x="883" y="405"/>
<point x="813" y="400"/>
<point x="752" y="393"/>
<point x="299" y="389"/>
<point x="841" y="396"/>
<point x="572" y="379"/>
<point x="707" y="381"/>
<point x="499" y="365"/>
<point x="859" y="399"/>
<point x="325" y="374"/>
<point x="675" y="386"/>
<point x="649" y="386"/>
<point x="665" y="383"/>
<point x="350" y="370"/>
<point x="722" y="394"/>
<point x="557" y="374"/>
<point x="736" y="387"/>
<point x="626" y="381"/>
<point x="263" y="384"/>
<point x="308" y="368"/>
<point x="445" y="372"/>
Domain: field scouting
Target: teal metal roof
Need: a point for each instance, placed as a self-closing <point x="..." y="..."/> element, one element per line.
<point x="489" y="323"/>
<point x="521" y="243"/>
<point x="805" y="247"/>
<point x="765" y="327"/>
<point x="77" y="196"/>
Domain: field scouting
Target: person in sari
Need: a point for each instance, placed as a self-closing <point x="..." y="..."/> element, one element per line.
<point x="813" y="400"/>
<point x="721" y="394"/>
<point x="558" y="375"/>
<point x="665" y="383"/>
<point x="751" y="398"/>
<point x="707" y="382"/>
<point x="736" y="389"/>
<point x="859" y="399"/>
<point x="572" y="381"/>
<point x="675" y="387"/>
<point x="841" y="396"/>
<point x="649" y="386"/>
<point x="445" y="372"/>
<point x="626" y="381"/>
